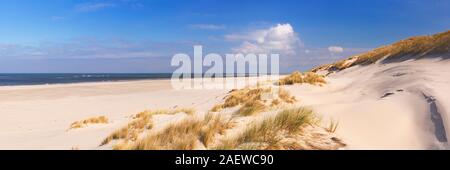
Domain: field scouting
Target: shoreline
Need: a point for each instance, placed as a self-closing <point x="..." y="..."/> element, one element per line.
<point x="105" y="81"/>
<point x="78" y="83"/>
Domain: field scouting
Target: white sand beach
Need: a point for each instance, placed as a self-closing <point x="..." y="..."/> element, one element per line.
<point x="38" y="117"/>
<point x="391" y="106"/>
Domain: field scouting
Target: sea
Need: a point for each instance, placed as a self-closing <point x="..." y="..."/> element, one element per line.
<point x="16" y="79"/>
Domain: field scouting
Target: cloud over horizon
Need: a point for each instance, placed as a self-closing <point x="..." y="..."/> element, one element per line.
<point x="280" y="38"/>
<point x="335" y="49"/>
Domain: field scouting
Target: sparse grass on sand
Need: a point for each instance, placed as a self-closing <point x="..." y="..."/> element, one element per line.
<point x="289" y="128"/>
<point x="313" y="78"/>
<point x="252" y="101"/>
<point x="285" y="96"/>
<point x="283" y="127"/>
<point x="332" y="127"/>
<point x="139" y="124"/>
<point x="268" y="133"/>
<point x="241" y="97"/>
<point x="294" y="78"/>
<point x="417" y="47"/>
<point x="251" y="107"/>
<point x="86" y="122"/>
<point x="244" y="95"/>
<point x="130" y="132"/>
<point x="299" y="78"/>
<point x="184" y="135"/>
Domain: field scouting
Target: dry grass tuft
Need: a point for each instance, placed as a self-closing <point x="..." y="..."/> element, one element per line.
<point x="139" y="124"/>
<point x="314" y="79"/>
<point x="332" y="127"/>
<point x="244" y="95"/>
<point x="180" y="136"/>
<point x="286" y="97"/>
<point x="241" y="97"/>
<point x="294" y="78"/>
<point x="292" y="119"/>
<point x="251" y="107"/>
<point x="213" y="125"/>
<point x="86" y="122"/>
<point x="267" y="133"/>
<point x="251" y="101"/>
<point x="217" y="108"/>
<point x="189" y="111"/>
<point x="299" y="78"/>
<point x="275" y="102"/>
<point x="183" y="135"/>
<point x="131" y="131"/>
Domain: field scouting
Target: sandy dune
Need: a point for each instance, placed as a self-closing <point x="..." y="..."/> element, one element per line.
<point x="386" y="106"/>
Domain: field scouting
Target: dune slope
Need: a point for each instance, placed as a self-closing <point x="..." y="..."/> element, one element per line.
<point x="386" y="106"/>
<point x="394" y="97"/>
<point x="414" y="48"/>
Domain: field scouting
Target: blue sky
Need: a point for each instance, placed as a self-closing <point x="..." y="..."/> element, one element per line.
<point x="143" y="35"/>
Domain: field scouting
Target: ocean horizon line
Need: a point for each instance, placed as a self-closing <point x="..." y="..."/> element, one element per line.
<point x="20" y="79"/>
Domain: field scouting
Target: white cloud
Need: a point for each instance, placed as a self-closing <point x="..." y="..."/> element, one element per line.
<point x="89" y="7"/>
<point x="280" y="38"/>
<point x="250" y="36"/>
<point x="335" y="49"/>
<point x="207" y="26"/>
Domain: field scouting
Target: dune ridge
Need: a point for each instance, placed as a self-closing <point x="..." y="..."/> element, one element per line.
<point x="433" y="46"/>
<point x="393" y="97"/>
